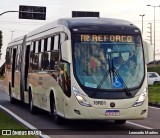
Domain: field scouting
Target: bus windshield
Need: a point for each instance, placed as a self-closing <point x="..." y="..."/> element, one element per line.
<point x="108" y="61"/>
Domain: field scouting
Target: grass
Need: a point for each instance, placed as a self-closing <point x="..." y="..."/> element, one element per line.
<point x="7" y="122"/>
<point x="154" y="93"/>
<point x="154" y="90"/>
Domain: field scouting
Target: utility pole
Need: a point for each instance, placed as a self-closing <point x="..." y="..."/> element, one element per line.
<point x="150" y="32"/>
<point x="142" y="21"/>
<point x="12" y="35"/>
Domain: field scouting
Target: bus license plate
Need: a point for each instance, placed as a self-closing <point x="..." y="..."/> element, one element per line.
<point x="112" y="113"/>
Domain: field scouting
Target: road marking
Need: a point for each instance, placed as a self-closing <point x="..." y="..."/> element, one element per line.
<point x="154" y="107"/>
<point x="139" y="125"/>
<point x="22" y="121"/>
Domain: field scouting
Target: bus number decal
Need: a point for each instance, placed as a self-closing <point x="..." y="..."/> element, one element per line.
<point x="99" y="102"/>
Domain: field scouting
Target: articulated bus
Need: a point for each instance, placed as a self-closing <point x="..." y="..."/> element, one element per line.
<point x="80" y="68"/>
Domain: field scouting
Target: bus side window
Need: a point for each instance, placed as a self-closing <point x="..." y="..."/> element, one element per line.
<point x="55" y="40"/>
<point x="39" y="46"/>
<point x="45" y="44"/>
<point x="65" y="78"/>
<point x="31" y="57"/>
<point x="39" y="54"/>
<point x="45" y="60"/>
<point x="17" y="62"/>
<point x="52" y="43"/>
<point x="8" y="58"/>
<point x="52" y="61"/>
<point x="35" y="57"/>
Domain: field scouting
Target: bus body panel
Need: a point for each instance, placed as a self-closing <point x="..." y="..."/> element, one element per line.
<point x="16" y="87"/>
<point x="42" y="85"/>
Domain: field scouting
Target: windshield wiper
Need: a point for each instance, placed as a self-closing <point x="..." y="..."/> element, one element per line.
<point x="109" y="71"/>
<point x="103" y="79"/>
<point x="114" y="70"/>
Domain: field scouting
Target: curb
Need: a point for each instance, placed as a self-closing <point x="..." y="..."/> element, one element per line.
<point x="29" y="126"/>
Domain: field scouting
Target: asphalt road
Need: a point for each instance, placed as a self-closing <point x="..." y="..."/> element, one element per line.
<point x="44" y="122"/>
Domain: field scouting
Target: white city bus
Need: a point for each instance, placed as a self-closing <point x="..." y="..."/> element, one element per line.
<point x="80" y="68"/>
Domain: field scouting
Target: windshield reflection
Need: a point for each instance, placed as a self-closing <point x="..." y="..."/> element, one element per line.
<point x="95" y="63"/>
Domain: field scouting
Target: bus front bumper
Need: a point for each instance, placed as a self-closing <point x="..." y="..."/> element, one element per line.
<point x="91" y="113"/>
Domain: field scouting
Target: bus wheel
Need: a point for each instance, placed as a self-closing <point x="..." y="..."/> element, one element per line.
<point x="120" y="121"/>
<point x="31" y="106"/>
<point x="57" y="118"/>
<point x="12" y="100"/>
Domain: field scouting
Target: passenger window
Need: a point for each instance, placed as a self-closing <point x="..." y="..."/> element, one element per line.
<point x="45" y="44"/>
<point x="35" y="62"/>
<point x="39" y="46"/>
<point x="52" y="61"/>
<point x="45" y="61"/>
<point x="17" y="62"/>
<point x="52" y="43"/>
<point x="8" y="58"/>
<point x="39" y="62"/>
<point x="34" y="46"/>
<point x="65" y="78"/>
<point x="31" y="57"/>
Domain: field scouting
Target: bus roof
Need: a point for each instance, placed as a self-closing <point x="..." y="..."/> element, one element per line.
<point x="87" y="25"/>
<point x="16" y="41"/>
<point x="96" y="23"/>
<point x="90" y="24"/>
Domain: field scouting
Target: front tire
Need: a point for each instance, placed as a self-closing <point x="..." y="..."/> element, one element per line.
<point x="57" y="119"/>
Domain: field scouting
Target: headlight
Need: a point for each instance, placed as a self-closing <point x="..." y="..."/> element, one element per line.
<point x="80" y="98"/>
<point x="141" y="98"/>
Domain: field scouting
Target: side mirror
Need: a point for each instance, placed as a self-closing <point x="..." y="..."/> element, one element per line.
<point x="66" y="51"/>
<point x="148" y="52"/>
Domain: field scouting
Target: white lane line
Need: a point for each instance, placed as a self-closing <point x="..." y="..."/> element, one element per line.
<point x="154" y="107"/>
<point x="22" y="121"/>
<point x="145" y="127"/>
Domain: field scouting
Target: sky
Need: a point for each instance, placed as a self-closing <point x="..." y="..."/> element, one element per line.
<point x="130" y="10"/>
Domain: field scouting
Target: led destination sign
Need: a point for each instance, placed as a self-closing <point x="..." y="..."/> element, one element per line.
<point x="106" y="38"/>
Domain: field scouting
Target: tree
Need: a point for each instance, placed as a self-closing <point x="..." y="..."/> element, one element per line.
<point x="0" y="43"/>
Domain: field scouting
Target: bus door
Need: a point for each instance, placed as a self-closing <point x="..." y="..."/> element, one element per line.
<point x="13" y="65"/>
<point x="26" y="65"/>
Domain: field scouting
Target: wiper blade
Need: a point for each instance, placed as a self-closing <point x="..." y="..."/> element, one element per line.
<point x="103" y="79"/>
<point x="109" y="71"/>
<point x="114" y="70"/>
